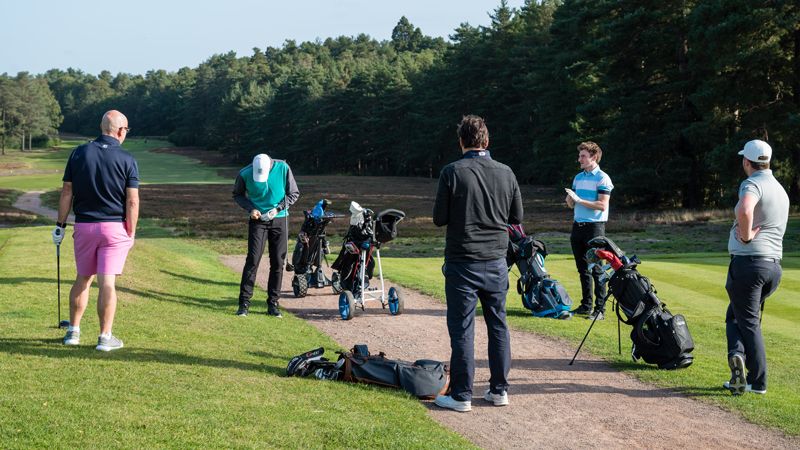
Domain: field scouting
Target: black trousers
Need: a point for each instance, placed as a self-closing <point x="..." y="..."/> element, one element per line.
<point x="274" y="233"/>
<point x="465" y="284"/>
<point x="582" y="233"/>
<point x="750" y="281"/>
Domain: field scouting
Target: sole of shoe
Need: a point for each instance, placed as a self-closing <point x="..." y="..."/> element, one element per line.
<point x="72" y="342"/>
<point x="458" y="408"/>
<point x="738" y="383"/>
<point x="502" y="401"/>
<point x="106" y="348"/>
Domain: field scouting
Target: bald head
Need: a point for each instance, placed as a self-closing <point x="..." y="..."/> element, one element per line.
<point x="112" y="121"/>
<point x="115" y="124"/>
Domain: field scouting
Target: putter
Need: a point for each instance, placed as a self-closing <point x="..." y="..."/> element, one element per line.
<point x="61" y="323"/>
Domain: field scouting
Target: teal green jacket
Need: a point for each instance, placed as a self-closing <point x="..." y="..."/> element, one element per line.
<point x="279" y="191"/>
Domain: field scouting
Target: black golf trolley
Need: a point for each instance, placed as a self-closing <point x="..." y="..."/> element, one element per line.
<point x="356" y="261"/>
<point x="311" y="250"/>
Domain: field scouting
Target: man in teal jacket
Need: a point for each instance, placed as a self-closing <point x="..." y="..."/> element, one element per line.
<point x="265" y="189"/>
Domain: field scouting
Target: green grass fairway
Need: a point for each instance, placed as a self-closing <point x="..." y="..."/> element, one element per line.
<point x="191" y="375"/>
<point x="692" y="285"/>
<point x="155" y="168"/>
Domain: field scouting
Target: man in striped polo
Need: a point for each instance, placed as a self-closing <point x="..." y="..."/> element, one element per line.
<point x="265" y="189"/>
<point x="589" y="197"/>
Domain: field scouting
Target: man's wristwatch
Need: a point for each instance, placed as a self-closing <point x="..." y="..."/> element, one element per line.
<point x="746" y="242"/>
<point x="61" y="224"/>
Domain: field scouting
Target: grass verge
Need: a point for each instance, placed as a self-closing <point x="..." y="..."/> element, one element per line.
<point x="191" y="374"/>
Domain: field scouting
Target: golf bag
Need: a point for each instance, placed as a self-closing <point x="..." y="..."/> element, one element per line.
<point x="310" y="251"/>
<point x="541" y="294"/>
<point x="658" y="336"/>
<point x="366" y="232"/>
<point x="423" y="378"/>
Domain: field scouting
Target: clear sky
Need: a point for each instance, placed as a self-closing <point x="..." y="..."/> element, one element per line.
<point x="137" y="36"/>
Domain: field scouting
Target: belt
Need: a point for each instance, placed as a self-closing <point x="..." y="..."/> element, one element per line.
<point x="583" y="224"/>
<point x="758" y="258"/>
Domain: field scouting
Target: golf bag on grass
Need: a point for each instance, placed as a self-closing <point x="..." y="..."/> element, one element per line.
<point x="658" y="336"/>
<point x="423" y="378"/>
<point x="310" y="251"/>
<point x="544" y="296"/>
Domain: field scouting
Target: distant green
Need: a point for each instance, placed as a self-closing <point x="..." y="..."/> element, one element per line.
<point x="154" y="168"/>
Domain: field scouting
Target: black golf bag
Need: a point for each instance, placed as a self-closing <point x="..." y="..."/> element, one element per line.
<point x="658" y="336"/>
<point x="423" y="378"/>
<point x="541" y="294"/>
<point x="367" y="235"/>
<point x="310" y="251"/>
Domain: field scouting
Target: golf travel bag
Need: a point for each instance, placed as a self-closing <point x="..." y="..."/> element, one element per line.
<point x="541" y="294"/>
<point x="658" y="336"/>
<point x="423" y="378"/>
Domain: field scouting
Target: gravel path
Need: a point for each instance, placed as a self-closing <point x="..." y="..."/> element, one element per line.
<point x="32" y="202"/>
<point x="549" y="398"/>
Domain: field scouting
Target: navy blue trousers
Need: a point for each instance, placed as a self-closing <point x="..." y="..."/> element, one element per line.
<point x="465" y="284"/>
<point x="750" y="281"/>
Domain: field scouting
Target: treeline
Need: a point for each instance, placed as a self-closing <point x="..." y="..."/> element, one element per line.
<point x="29" y="114"/>
<point x="670" y="90"/>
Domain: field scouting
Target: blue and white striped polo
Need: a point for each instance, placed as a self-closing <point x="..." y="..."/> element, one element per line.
<point x="588" y="185"/>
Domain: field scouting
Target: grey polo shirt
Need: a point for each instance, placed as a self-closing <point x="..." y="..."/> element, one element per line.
<point x="771" y="213"/>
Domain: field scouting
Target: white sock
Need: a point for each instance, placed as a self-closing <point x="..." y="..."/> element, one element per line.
<point x="71" y="328"/>
<point x="105" y="335"/>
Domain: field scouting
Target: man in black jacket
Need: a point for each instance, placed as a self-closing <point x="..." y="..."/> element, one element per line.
<point x="476" y="198"/>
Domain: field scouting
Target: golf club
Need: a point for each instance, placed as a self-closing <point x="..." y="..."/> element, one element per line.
<point x="61" y="323"/>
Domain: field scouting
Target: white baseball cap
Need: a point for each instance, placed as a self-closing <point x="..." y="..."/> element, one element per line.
<point x="261" y="166"/>
<point x="757" y="151"/>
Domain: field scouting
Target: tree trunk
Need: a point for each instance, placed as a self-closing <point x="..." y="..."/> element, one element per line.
<point x="22" y="147"/>
<point x="30" y="141"/>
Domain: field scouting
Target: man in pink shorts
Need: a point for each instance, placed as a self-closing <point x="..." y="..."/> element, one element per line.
<point x="101" y="185"/>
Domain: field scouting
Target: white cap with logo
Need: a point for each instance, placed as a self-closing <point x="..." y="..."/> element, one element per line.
<point x="261" y="166"/>
<point x="757" y="151"/>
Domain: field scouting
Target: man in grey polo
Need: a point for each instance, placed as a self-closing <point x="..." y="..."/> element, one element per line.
<point x="756" y="248"/>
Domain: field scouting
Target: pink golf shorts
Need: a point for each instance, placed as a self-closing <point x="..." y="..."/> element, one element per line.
<point x="101" y="247"/>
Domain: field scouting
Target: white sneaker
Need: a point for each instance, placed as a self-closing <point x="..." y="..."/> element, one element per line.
<point x="496" y="399"/>
<point x="107" y="344"/>
<point x="445" y="401"/>
<point x="747" y="388"/>
<point x="72" y="338"/>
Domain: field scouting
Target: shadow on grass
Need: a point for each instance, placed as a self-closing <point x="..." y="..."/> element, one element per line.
<point x="200" y="280"/>
<point x="52" y="348"/>
<point x="225" y="304"/>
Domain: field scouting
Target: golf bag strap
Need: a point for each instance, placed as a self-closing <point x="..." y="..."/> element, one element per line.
<point x="640" y="325"/>
<point x="630" y="320"/>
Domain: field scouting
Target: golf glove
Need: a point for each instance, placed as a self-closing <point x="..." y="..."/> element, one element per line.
<point x="58" y="235"/>
<point x="272" y="213"/>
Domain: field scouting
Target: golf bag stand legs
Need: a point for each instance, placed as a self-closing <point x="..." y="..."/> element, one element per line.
<point x="584" y="339"/>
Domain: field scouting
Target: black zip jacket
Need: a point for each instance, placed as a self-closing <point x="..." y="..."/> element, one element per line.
<point x="476" y="198"/>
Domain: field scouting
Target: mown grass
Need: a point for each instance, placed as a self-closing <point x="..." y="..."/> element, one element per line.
<point x="690" y="284"/>
<point x="154" y="168"/>
<point x="191" y="374"/>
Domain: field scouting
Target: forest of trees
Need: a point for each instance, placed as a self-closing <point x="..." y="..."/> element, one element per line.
<point x="669" y="89"/>
<point x="29" y="114"/>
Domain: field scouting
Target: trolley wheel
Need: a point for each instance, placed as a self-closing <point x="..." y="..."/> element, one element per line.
<point x="395" y="302"/>
<point x="300" y="286"/>
<point x="336" y="283"/>
<point x="347" y="305"/>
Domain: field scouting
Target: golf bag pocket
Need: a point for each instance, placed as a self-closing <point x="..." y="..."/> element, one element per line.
<point x="662" y="339"/>
<point x="548" y="298"/>
<point x="634" y="294"/>
<point x="423" y="378"/>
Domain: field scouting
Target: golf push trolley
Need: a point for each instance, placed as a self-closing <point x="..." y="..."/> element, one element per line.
<point x="311" y="250"/>
<point x="356" y="261"/>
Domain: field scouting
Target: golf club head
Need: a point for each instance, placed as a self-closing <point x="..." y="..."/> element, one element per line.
<point x="63" y="324"/>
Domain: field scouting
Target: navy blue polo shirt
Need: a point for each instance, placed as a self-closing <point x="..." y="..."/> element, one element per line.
<point x="100" y="171"/>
